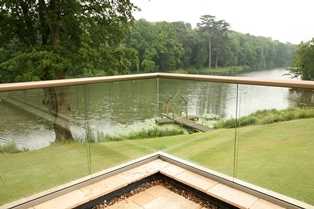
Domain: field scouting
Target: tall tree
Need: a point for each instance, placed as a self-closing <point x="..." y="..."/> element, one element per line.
<point x="304" y="60"/>
<point x="207" y="25"/>
<point x="216" y="31"/>
<point x="52" y="39"/>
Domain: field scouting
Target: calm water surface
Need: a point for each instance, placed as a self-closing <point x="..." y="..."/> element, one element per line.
<point x="122" y="107"/>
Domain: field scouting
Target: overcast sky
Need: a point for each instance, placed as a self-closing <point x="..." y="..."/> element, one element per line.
<point x="284" y="20"/>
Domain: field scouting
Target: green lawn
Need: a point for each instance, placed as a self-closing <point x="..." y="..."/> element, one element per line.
<point x="278" y="156"/>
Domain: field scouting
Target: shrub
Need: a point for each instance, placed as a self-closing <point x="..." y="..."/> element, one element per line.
<point x="225" y="123"/>
<point x="247" y="120"/>
<point x="9" y="148"/>
<point x="146" y="133"/>
<point x="268" y="116"/>
<point x="148" y="65"/>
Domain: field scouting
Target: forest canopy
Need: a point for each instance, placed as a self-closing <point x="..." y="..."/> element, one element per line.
<point x="167" y="46"/>
<point x="57" y="39"/>
<point x="42" y="41"/>
<point x="304" y="60"/>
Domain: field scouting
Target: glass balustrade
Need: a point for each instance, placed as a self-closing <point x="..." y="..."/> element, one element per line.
<point x="42" y="140"/>
<point x="198" y="107"/>
<point x="276" y="140"/>
<point x="119" y="116"/>
<point x="258" y="134"/>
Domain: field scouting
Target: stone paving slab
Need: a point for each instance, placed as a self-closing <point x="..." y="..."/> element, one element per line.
<point x="232" y="196"/>
<point x="102" y="187"/>
<point x="67" y="201"/>
<point x="199" y="182"/>
<point x="171" y="170"/>
<point x="261" y="204"/>
<point x="125" y="204"/>
<point x="157" y="197"/>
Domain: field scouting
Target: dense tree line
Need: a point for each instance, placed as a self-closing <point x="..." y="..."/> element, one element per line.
<point x="36" y="45"/>
<point x="53" y="39"/>
<point x="304" y="60"/>
<point x="56" y="39"/>
<point x="164" y="46"/>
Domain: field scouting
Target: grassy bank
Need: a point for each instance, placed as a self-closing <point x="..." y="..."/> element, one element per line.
<point x="231" y="70"/>
<point x="267" y="117"/>
<point x="152" y="132"/>
<point x="270" y="155"/>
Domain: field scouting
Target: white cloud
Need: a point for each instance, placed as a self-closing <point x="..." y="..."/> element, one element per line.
<point x="284" y="20"/>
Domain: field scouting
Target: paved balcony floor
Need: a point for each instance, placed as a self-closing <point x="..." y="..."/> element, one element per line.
<point x="156" y="197"/>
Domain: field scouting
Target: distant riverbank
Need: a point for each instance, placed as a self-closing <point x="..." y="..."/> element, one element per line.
<point x="224" y="71"/>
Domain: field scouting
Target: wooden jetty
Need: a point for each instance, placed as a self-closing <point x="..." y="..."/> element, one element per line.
<point x="183" y="121"/>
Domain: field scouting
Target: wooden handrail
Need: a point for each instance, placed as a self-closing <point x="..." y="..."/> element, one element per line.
<point x="217" y="79"/>
<point x="293" y="83"/>
<point x="73" y="82"/>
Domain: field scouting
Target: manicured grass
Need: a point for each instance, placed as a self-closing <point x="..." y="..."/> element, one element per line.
<point x="277" y="156"/>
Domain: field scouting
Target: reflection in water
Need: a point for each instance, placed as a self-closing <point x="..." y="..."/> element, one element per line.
<point x="253" y="98"/>
<point x="122" y="107"/>
<point x="113" y="108"/>
<point x="202" y="97"/>
<point x="25" y="129"/>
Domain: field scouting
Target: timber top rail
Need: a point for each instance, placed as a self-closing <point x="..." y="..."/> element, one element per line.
<point x="208" y="78"/>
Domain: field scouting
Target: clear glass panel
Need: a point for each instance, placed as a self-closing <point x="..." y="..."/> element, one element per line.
<point x="115" y="122"/>
<point x="120" y="119"/>
<point x="276" y="140"/>
<point x="31" y="159"/>
<point x="200" y="103"/>
<point x="4" y="195"/>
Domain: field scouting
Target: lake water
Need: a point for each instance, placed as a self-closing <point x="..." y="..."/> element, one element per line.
<point x="123" y="107"/>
